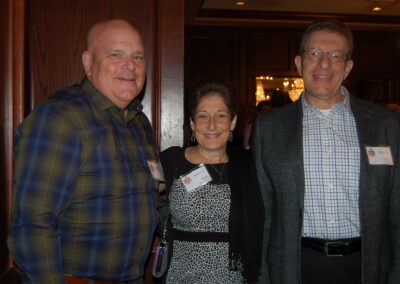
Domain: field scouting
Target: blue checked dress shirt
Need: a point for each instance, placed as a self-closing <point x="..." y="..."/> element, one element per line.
<point x="332" y="168"/>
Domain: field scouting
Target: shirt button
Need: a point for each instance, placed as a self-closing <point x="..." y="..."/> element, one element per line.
<point x="328" y="152"/>
<point x="325" y="124"/>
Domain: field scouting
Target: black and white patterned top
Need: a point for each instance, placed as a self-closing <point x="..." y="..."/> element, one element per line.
<point x="206" y="209"/>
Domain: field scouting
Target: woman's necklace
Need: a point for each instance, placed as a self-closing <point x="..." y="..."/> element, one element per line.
<point x="220" y="173"/>
<point x="195" y="156"/>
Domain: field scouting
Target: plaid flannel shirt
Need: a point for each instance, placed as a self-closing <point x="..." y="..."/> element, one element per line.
<point x="84" y="198"/>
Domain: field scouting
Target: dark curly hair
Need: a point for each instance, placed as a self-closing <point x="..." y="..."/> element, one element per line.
<point x="212" y="87"/>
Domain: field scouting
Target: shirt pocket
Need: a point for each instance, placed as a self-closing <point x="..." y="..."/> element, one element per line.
<point x="106" y="172"/>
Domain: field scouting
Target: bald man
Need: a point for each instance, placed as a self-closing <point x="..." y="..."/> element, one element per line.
<point x="85" y="203"/>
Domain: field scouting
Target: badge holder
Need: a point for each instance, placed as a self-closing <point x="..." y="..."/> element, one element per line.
<point x="160" y="261"/>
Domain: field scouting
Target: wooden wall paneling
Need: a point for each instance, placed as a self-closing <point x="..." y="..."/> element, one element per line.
<point x="374" y="53"/>
<point x="246" y="98"/>
<point x="395" y="96"/>
<point x="295" y="50"/>
<point x="57" y="34"/>
<point x="271" y="54"/>
<point x="375" y="67"/>
<point x="376" y="58"/>
<point x="170" y="41"/>
<point x="208" y="57"/>
<point x="145" y="16"/>
<point x="11" y="106"/>
<point x="6" y="88"/>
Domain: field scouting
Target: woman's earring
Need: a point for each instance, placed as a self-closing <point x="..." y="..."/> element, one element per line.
<point x="193" y="137"/>
<point x="230" y="136"/>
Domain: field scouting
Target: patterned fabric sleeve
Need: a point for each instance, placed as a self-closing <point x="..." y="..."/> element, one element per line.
<point x="47" y="163"/>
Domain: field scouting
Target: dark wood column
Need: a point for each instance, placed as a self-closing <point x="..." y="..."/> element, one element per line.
<point x="12" y="59"/>
<point x="170" y="54"/>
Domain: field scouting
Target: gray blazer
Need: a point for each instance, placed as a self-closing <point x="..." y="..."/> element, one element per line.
<point x="278" y="154"/>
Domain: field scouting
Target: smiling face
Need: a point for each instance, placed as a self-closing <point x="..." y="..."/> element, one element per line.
<point x="115" y="62"/>
<point x="323" y="78"/>
<point x="212" y="123"/>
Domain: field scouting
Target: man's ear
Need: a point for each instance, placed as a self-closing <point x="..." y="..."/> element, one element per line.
<point x="349" y="66"/>
<point x="87" y="60"/>
<point x="297" y="62"/>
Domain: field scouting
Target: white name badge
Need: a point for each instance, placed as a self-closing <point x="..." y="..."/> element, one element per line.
<point x="156" y="170"/>
<point x="197" y="177"/>
<point x="379" y="156"/>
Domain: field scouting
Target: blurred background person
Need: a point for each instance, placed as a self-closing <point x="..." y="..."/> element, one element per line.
<point x="262" y="106"/>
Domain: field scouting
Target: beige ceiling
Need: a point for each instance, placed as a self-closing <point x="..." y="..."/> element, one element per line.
<point x="358" y="7"/>
<point x="355" y="13"/>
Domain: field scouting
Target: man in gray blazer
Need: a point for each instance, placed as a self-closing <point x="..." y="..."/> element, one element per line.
<point x="328" y="166"/>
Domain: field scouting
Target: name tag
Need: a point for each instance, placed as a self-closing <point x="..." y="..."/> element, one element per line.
<point x="197" y="177"/>
<point x="379" y="155"/>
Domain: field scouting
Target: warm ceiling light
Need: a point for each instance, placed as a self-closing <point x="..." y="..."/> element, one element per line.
<point x="377" y="9"/>
<point x="240" y="3"/>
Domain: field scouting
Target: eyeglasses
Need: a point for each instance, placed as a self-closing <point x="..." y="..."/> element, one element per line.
<point x="317" y="54"/>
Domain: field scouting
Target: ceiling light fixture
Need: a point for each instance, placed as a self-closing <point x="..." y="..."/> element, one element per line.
<point x="377" y="9"/>
<point x="240" y="3"/>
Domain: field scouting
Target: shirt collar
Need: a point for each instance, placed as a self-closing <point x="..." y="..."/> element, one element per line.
<point x="101" y="102"/>
<point x="343" y="91"/>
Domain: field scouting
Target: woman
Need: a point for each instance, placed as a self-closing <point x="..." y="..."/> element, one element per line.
<point x="216" y="211"/>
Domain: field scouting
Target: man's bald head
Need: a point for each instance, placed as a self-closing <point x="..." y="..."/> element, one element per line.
<point x="115" y="61"/>
<point x="102" y="28"/>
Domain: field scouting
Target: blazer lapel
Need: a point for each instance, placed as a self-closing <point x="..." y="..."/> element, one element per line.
<point x="295" y="148"/>
<point x="366" y="126"/>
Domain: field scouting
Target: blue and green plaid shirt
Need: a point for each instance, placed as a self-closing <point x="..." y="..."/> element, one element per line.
<point x="84" y="198"/>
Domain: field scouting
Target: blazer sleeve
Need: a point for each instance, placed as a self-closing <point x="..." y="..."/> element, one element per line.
<point x="266" y="192"/>
<point x="394" y="274"/>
